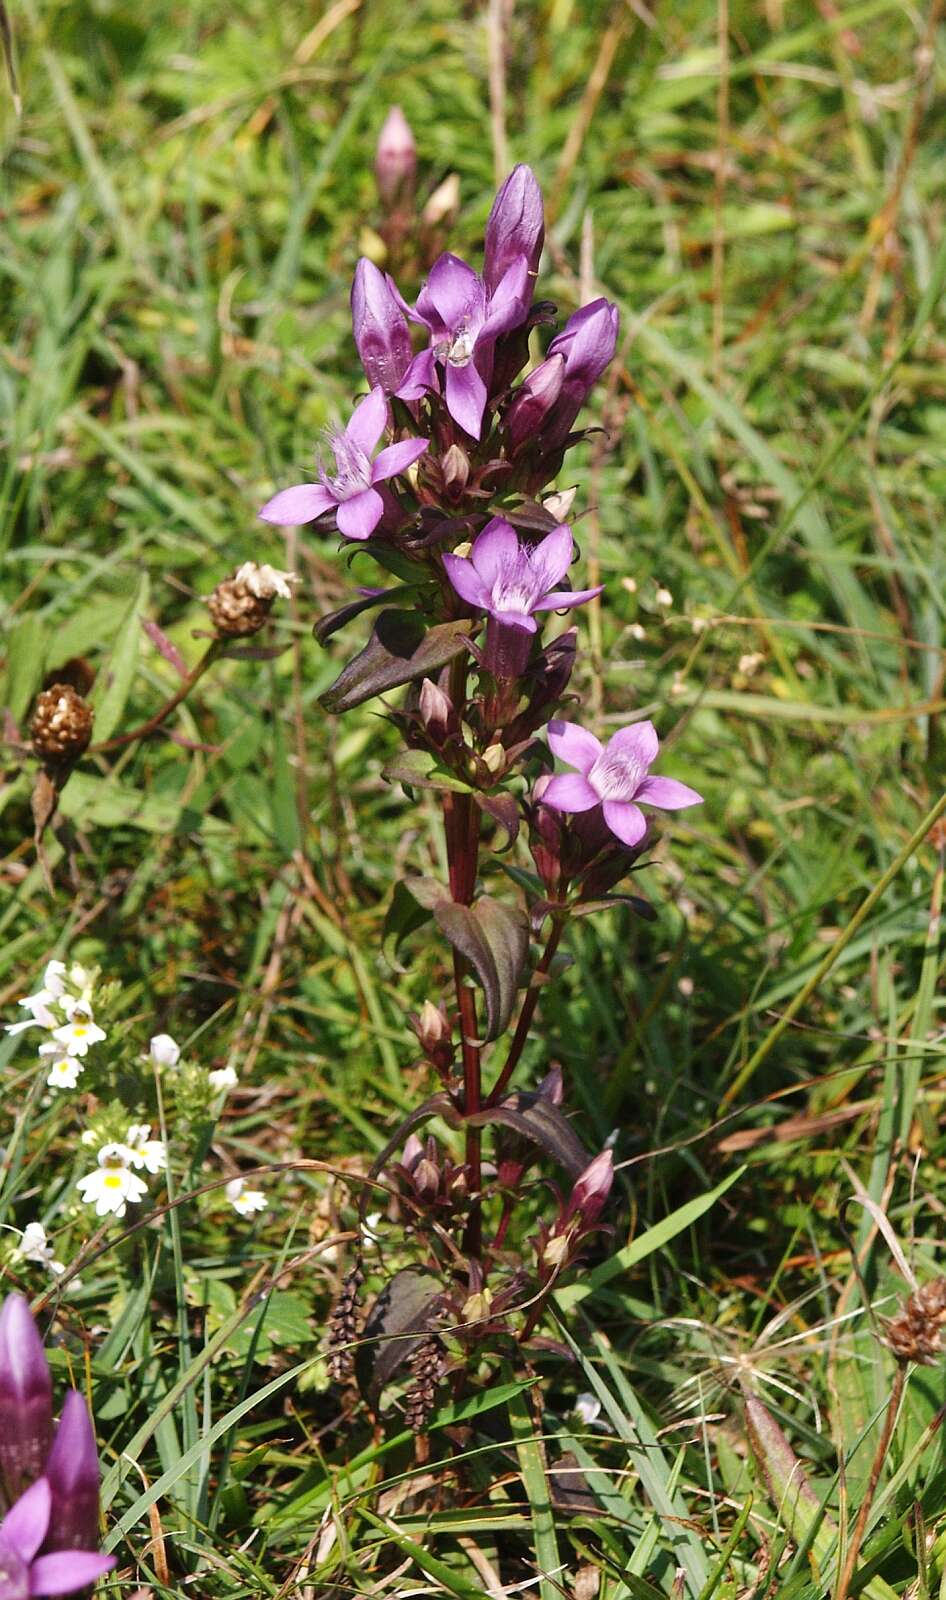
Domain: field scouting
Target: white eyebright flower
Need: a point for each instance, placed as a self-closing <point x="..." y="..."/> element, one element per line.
<point x="79" y="1033"/>
<point x="63" y="1071"/>
<point x="145" y="1151"/>
<point x="165" y="1051"/>
<point x="245" y="1200"/>
<point x="112" y="1184"/>
<point x="33" y="1245"/>
<point x="222" y="1078"/>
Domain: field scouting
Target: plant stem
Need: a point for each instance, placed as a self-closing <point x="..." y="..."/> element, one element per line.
<point x="527" y="1013"/>
<point x="880" y="1455"/>
<point x="153" y="723"/>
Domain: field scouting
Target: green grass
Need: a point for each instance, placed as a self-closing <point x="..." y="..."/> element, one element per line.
<point x="184" y="199"/>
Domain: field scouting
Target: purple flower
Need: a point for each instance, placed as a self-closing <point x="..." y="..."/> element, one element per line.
<point x="533" y="401"/>
<point x="380" y="328"/>
<point x="516" y="227"/>
<point x="592" y="1187"/>
<point x="23" y="1572"/>
<point x="614" y="776"/>
<point x="510" y="582"/>
<point x="395" y="161"/>
<point x="72" y="1471"/>
<point x="465" y="319"/>
<point x="26" y="1396"/>
<point x="587" y="341"/>
<point x="352" y="490"/>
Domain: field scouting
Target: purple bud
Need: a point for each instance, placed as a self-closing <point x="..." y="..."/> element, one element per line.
<point x="533" y="400"/>
<point x="435" y="709"/>
<point x="455" y="466"/>
<point x="516" y="227"/>
<point x="588" y="342"/>
<point x="380" y="328"/>
<point x="73" y="1473"/>
<point x="26" y="1397"/>
<point x="591" y="1190"/>
<point x="395" y="161"/>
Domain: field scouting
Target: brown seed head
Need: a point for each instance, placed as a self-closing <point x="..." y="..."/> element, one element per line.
<point x="236" y="612"/>
<point x="62" y="723"/>
<point x="915" y="1333"/>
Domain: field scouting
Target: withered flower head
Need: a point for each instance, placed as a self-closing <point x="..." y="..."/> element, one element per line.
<point x="240" y="605"/>
<point x="62" y="723"/>
<point x="915" y="1333"/>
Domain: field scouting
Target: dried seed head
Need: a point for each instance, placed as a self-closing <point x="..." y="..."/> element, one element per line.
<point x="427" y="1366"/>
<point x="62" y="723"/>
<point x="236" y="611"/>
<point x="915" y="1333"/>
<point x="343" y="1326"/>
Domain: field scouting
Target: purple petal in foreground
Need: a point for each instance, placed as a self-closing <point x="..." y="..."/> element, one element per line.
<point x="72" y="1469"/>
<point x="67" y="1570"/>
<point x="508" y="305"/>
<point x="569" y="791"/>
<point x="396" y="458"/>
<point x="668" y="794"/>
<point x="496" y="547"/>
<point x="453" y="293"/>
<point x="465" y="394"/>
<point x="637" y="743"/>
<point x="24" y="1527"/>
<point x="626" y="820"/>
<point x="467" y="581"/>
<point x="368" y="421"/>
<point x="573" y="744"/>
<point x="290" y="508"/>
<point x="561" y="599"/>
<point x="358" y="517"/>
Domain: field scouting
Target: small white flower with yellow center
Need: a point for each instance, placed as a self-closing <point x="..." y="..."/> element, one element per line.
<point x="34" y="1246"/>
<point x="245" y="1200"/>
<point x="79" y="1033"/>
<point x="63" y="1071"/>
<point x="222" y="1079"/>
<point x="112" y="1184"/>
<point x="145" y="1151"/>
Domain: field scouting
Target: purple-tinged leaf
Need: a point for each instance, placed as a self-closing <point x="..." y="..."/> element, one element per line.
<point x="504" y="809"/>
<point x="409" y="1304"/>
<point x="333" y="620"/>
<point x="164" y="647"/>
<point x="640" y="906"/>
<point x="401" y="649"/>
<point x="537" y="1118"/>
<point x="494" y="938"/>
<point x="404" y="916"/>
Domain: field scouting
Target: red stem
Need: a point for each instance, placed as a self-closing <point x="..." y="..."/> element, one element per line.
<point x="527" y="1013"/>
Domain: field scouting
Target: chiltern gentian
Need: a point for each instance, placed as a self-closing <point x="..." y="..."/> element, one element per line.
<point x="23" y="1572"/>
<point x="26" y="1396"/>
<point x="510" y="582"/>
<point x="614" y="776"/>
<point x="351" y="492"/>
<point x="465" y="319"/>
<point x="381" y="332"/>
<point x="587" y="341"/>
<point x="516" y="227"/>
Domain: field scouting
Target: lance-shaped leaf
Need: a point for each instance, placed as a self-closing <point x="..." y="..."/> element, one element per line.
<point x="640" y="906"/>
<point x="403" y="917"/>
<point x="494" y="938"/>
<point x="538" y="1119"/>
<point x="504" y="809"/>
<point x="333" y="620"/>
<point x="437" y="1105"/>
<point x="401" y="648"/>
<point x="404" y="1312"/>
<point x="418" y="769"/>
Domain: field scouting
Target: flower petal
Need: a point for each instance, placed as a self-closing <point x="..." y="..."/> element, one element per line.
<point x="668" y="794"/>
<point x="302" y="503"/>
<point x="454" y="293"/>
<point x="465" y="394"/>
<point x="396" y="458"/>
<point x="574" y="745"/>
<point x="639" y="741"/>
<point x="552" y="556"/>
<point x="359" y="516"/>
<point x="496" y="547"/>
<point x="467" y="581"/>
<point x="65" y="1571"/>
<point x="25" y="1524"/>
<point x="509" y="304"/>
<point x="626" y="821"/>
<point x="368" y="421"/>
<point x="515" y="619"/>
<point x="561" y="599"/>
<point x="569" y="791"/>
<point x="420" y="376"/>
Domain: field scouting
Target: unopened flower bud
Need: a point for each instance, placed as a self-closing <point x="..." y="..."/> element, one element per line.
<point x="556" y="1251"/>
<point x="455" y="467"/>
<point x="533" y="402"/>
<point x="515" y="228"/>
<point x="26" y="1403"/>
<point x="591" y="1190"/>
<point x="426" y="1176"/>
<point x="444" y="203"/>
<point x="165" y="1051"/>
<point x="478" y="1306"/>
<point x="494" y="758"/>
<point x="62" y="723"/>
<point x="395" y="162"/>
<point x="436" y="709"/>
<point x="380" y="328"/>
<point x="73" y="1473"/>
<point x="433" y="1031"/>
<point x="588" y="342"/>
<point x="235" y="611"/>
<point x="560" y="504"/>
<point x="413" y="1150"/>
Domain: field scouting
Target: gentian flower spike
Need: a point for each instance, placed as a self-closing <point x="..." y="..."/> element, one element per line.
<point x="510" y="582"/>
<point x="26" y="1396"/>
<point x="465" y="320"/>
<point x="351" y="492"/>
<point x="380" y="329"/>
<point x="72" y="1470"/>
<point x="588" y="342"/>
<point x="23" y="1572"/>
<point x="516" y="227"/>
<point x="614" y="776"/>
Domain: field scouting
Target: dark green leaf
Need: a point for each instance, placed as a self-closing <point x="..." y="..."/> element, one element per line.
<point x="418" y="769"/>
<point x="538" y="1120"/>
<point x="333" y="620"/>
<point x="401" y="648"/>
<point x="494" y="938"/>
<point x="504" y="809"/>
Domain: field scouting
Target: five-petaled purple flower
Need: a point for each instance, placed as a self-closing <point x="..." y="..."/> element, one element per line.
<point x="614" y="776"/>
<point x="510" y="582"/>
<point x="352" y="491"/>
<point x="23" y="1572"/>
<point x="465" y="319"/>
